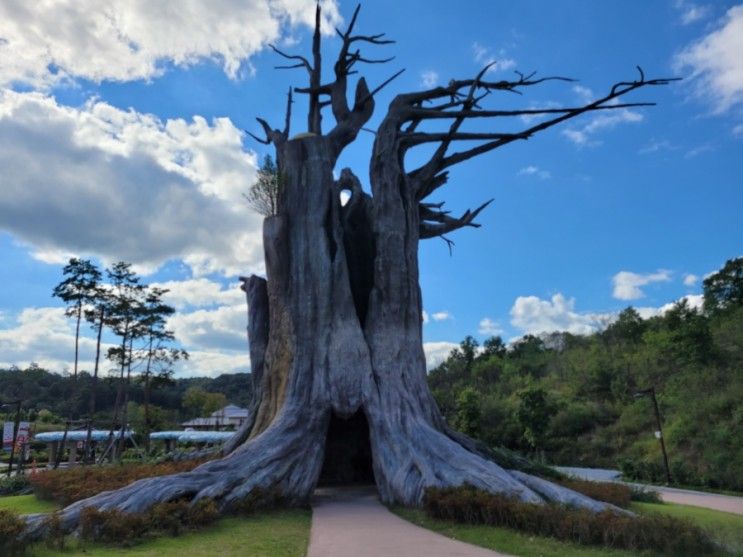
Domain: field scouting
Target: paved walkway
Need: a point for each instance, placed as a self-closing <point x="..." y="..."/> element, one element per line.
<point x="714" y="501"/>
<point x="351" y="522"/>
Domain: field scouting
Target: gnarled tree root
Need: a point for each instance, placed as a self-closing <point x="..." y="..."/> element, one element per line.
<point x="287" y="458"/>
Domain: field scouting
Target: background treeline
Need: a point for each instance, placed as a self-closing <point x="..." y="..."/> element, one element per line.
<point x="572" y="400"/>
<point x="49" y="397"/>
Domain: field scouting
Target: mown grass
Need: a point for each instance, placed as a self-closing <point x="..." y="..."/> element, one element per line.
<point x="725" y="528"/>
<point x="27" y="504"/>
<point x="267" y="533"/>
<point x="278" y="533"/>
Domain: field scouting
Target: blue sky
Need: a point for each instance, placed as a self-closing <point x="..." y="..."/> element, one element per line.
<point x="122" y="137"/>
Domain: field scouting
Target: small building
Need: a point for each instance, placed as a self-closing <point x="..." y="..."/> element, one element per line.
<point x="230" y="417"/>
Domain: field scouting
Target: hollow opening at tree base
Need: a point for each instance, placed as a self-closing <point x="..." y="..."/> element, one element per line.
<point x="348" y="454"/>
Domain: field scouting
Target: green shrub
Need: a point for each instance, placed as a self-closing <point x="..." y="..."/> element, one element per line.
<point x="642" y="495"/>
<point x="609" y="492"/>
<point x="11" y="527"/>
<point x="635" y="533"/>
<point x="15" y="485"/>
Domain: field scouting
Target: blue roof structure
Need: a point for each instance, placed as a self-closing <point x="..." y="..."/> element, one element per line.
<point x="193" y="436"/>
<point x="78" y="435"/>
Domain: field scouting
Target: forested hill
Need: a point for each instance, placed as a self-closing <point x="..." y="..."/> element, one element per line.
<point x="173" y="401"/>
<point x="575" y="400"/>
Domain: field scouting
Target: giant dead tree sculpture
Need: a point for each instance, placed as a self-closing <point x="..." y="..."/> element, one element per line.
<point x="335" y="329"/>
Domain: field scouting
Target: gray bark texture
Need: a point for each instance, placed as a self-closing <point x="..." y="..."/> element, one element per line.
<point x="335" y="328"/>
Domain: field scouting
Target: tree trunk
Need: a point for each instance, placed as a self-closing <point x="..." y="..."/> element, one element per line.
<point x="345" y="336"/>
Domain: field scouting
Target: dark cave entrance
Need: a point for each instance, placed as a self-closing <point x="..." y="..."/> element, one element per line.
<point x="348" y="454"/>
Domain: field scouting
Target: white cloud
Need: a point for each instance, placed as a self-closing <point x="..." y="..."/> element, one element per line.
<point x="48" y="41"/>
<point x="700" y="149"/>
<point x="424" y="316"/>
<point x="627" y="284"/>
<point x="441" y="316"/>
<point x="738" y="130"/>
<point x="655" y="146"/>
<point x="484" y="56"/>
<point x="536" y="316"/>
<point x="216" y="341"/>
<point x="45" y="336"/>
<point x="689" y="12"/>
<point x="584" y="93"/>
<point x="437" y="352"/>
<point x="716" y="64"/>
<point x="97" y="180"/>
<point x="690" y="280"/>
<point x="532" y="170"/>
<point x="488" y="327"/>
<point x="695" y="301"/>
<point x="222" y="328"/>
<point x="199" y="293"/>
<point x="429" y="78"/>
<point x="584" y="136"/>
<point x="214" y="363"/>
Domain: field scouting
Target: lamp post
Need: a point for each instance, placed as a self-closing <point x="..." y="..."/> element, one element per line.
<point x="651" y="393"/>
<point x="16" y="424"/>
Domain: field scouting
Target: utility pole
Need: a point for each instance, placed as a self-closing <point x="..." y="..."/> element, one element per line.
<point x="651" y="393"/>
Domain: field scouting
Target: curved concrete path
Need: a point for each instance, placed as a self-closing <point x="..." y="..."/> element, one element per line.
<point x="714" y="501"/>
<point x="351" y="522"/>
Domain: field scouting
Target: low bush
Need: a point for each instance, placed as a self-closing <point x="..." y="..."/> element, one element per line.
<point x="73" y="484"/>
<point x="643" y="495"/>
<point x="11" y="527"/>
<point x="635" y="533"/>
<point x="258" y="499"/>
<point x="608" y="492"/>
<point x="113" y="526"/>
<point x="15" y="485"/>
<point x="55" y="534"/>
<point x="126" y="529"/>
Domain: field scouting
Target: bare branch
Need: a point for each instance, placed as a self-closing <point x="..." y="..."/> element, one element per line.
<point x="441" y="114"/>
<point x="303" y="62"/>
<point x="437" y="223"/>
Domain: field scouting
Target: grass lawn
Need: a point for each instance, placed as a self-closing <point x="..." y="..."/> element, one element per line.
<point x="283" y="533"/>
<point x="26" y="504"/>
<point x="725" y="527"/>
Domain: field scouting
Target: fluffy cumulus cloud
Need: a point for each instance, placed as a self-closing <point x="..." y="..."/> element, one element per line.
<point x="694" y="301"/>
<point x="441" y="316"/>
<point x="690" y="280"/>
<point x="222" y="328"/>
<point x="437" y="352"/>
<point x="200" y="292"/>
<point x="124" y="185"/>
<point x="536" y="316"/>
<point x="215" y="339"/>
<point x="488" y="327"/>
<point x="45" y="336"/>
<point x="716" y="64"/>
<point x="627" y="285"/>
<point x="48" y="41"/>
